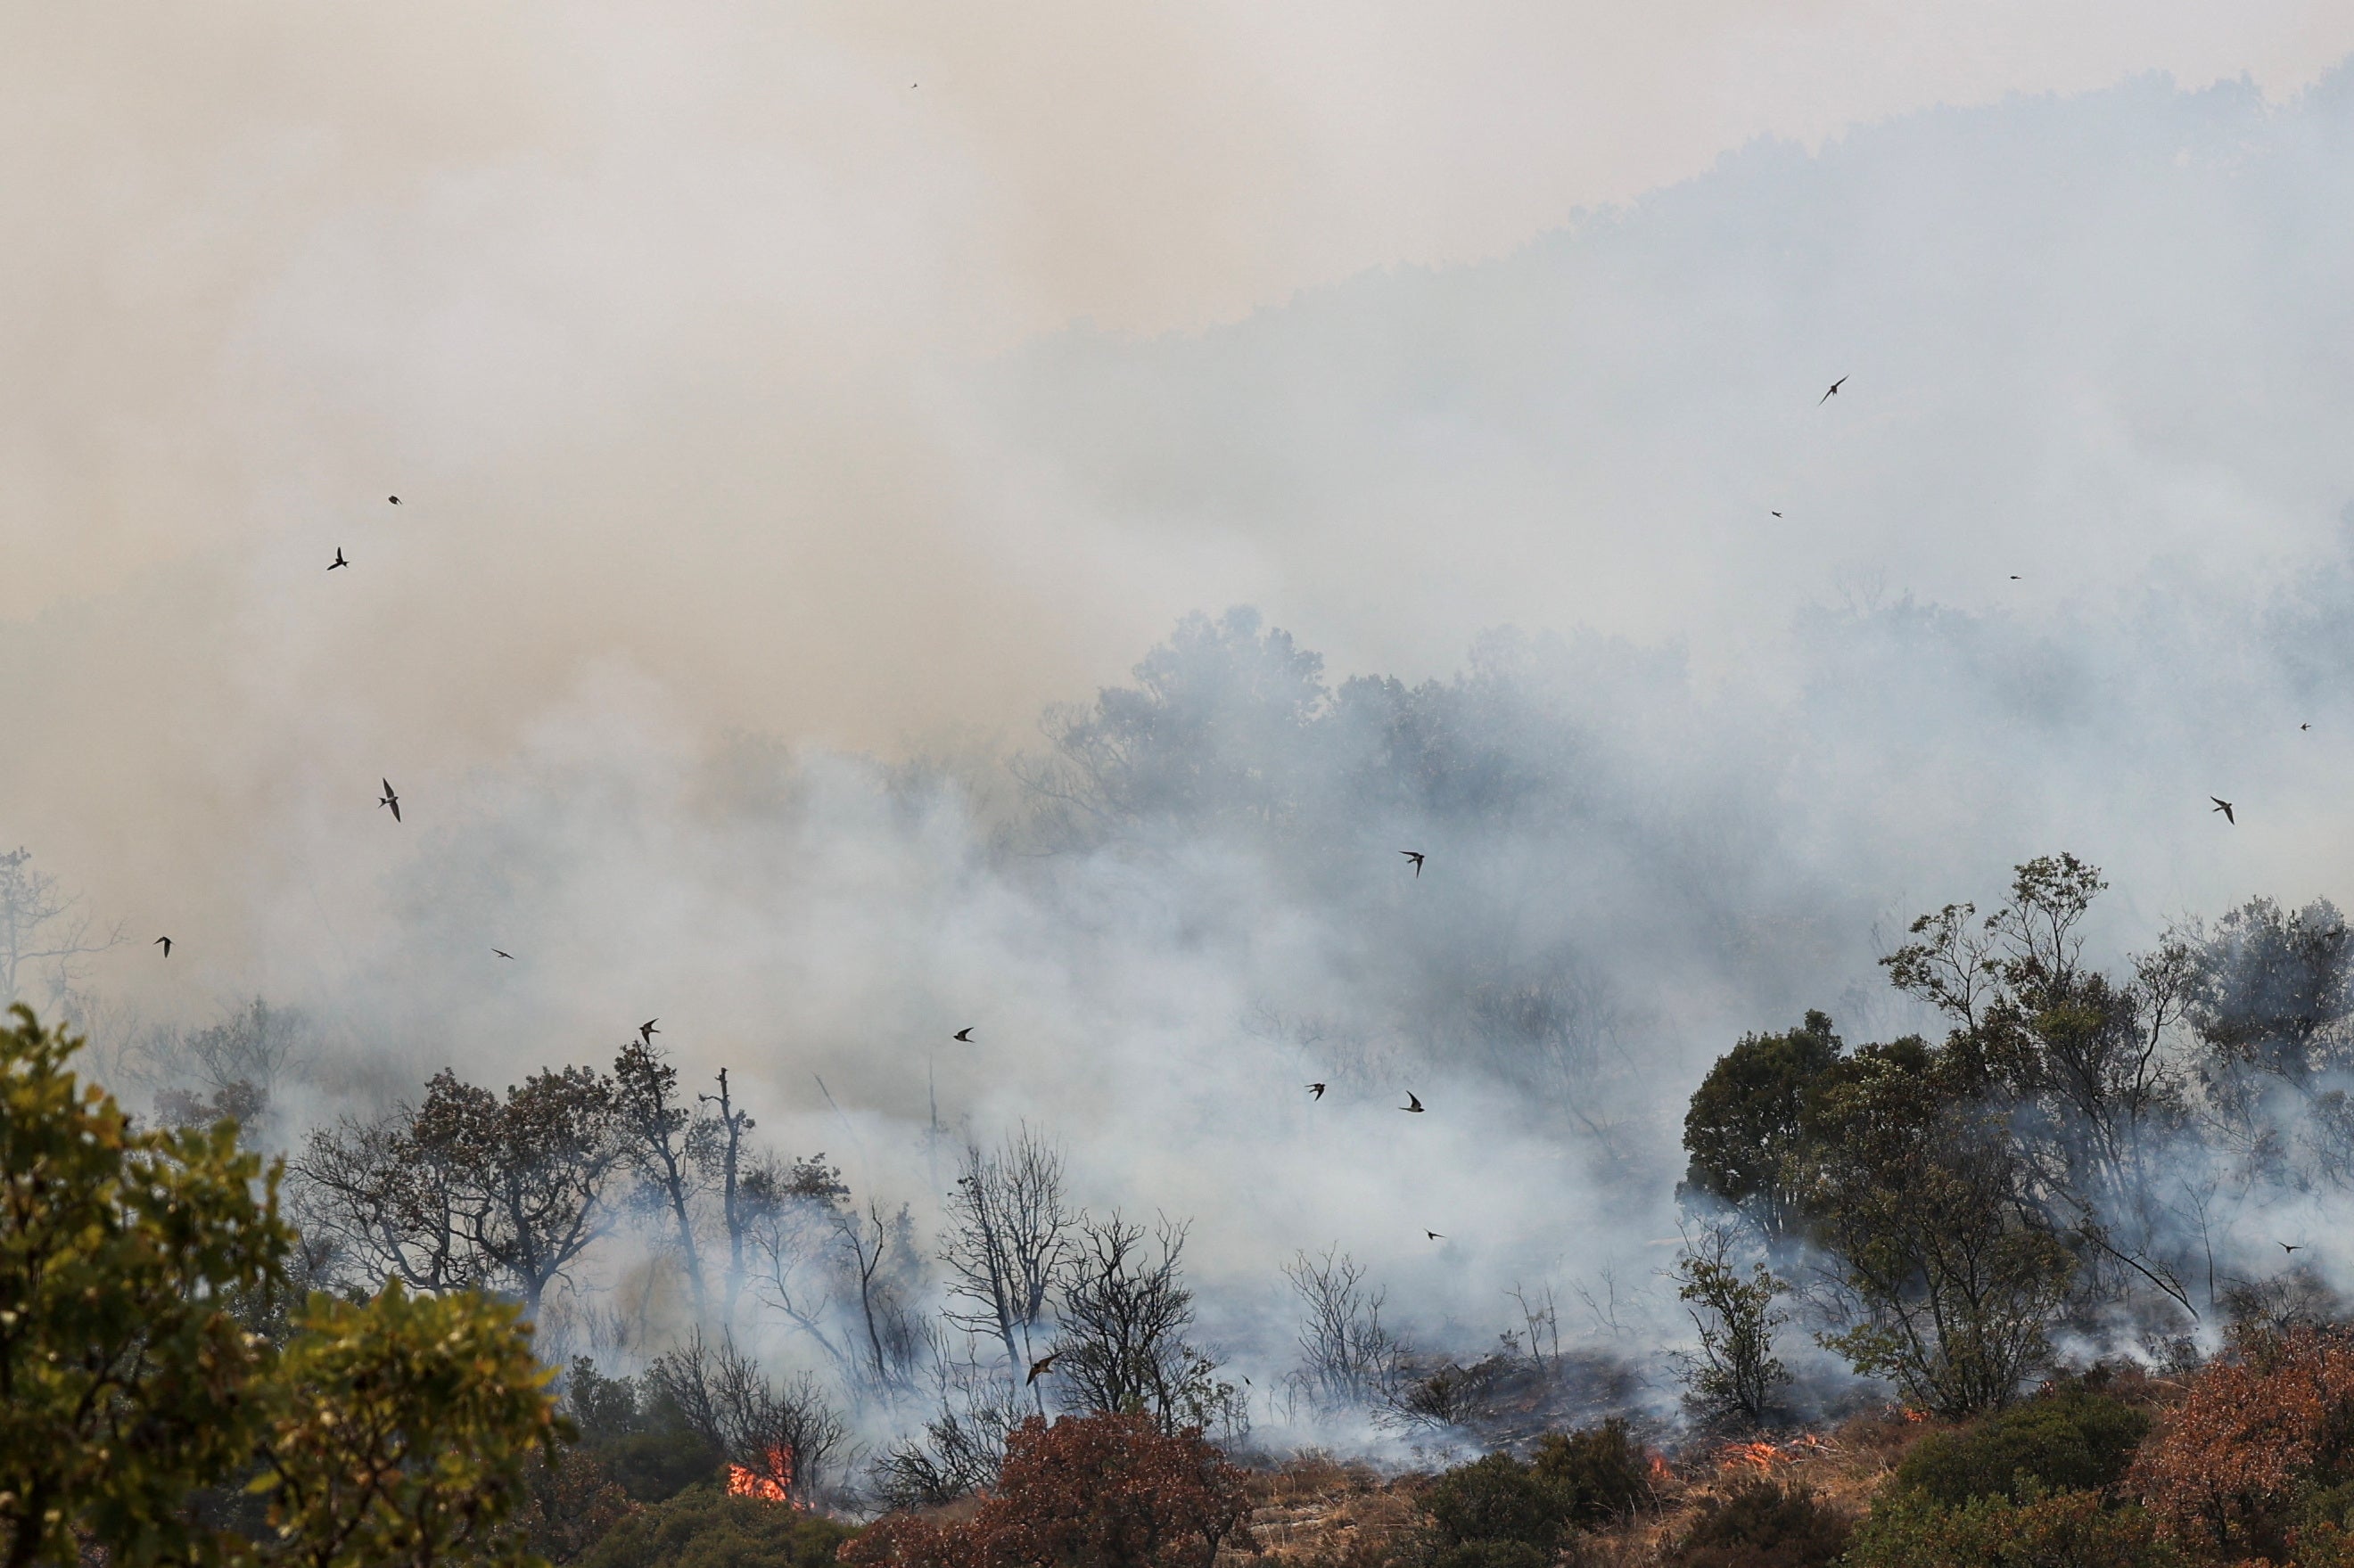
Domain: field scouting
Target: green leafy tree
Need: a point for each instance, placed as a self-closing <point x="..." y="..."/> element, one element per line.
<point x="1734" y="1373"/>
<point x="1747" y="1128"/>
<point x="126" y="1379"/>
<point x="138" y="1271"/>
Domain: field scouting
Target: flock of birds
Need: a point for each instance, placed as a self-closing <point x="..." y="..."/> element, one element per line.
<point x="390" y="800"/>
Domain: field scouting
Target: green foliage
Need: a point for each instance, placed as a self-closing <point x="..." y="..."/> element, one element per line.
<point x="1496" y="1498"/>
<point x="1735" y="1373"/>
<point x="1602" y="1474"/>
<point x="1762" y="1524"/>
<point x="2069" y="1442"/>
<point x="126" y="1379"/>
<point x="1747" y="1124"/>
<point x="2058" y="1530"/>
<point x="406" y="1426"/>
<point x="637" y="1433"/>
<point x="134" y="1265"/>
<point x="702" y="1527"/>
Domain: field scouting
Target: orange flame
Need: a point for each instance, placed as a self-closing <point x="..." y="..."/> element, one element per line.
<point x="1757" y="1456"/>
<point x="774" y="1487"/>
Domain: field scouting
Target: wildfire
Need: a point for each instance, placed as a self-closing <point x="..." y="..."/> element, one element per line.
<point x="775" y="1486"/>
<point x="1763" y="1456"/>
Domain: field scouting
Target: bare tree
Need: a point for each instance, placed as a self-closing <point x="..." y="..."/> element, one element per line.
<point x="1347" y="1359"/>
<point x="232" y="1068"/>
<point x="1542" y="1319"/>
<point x="385" y="1209"/>
<point x="881" y="1256"/>
<point x="784" y="1434"/>
<point x="1122" y="1344"/>
<point x="791" y="1213"/>
<point x="1008" y="1237"/>
<point x="40" y="922"/>
<point x="963" y="1443"/>
<point x="722" y="1155"/>
<point x="666" y="1147"/>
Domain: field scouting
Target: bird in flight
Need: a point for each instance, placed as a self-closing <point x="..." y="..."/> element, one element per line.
<point x="1777" y="515"/>
<point x="503" y="953"/>
<point x="2014" y="577"/>
<point x="167" y="945"/>
<point x="2290" y="1246"/>
<point x="2305" y="726"/>
<point x="1038" y="1367"/>
<point x="390" y="800"/>
<point x="394" y="499"/>
<point x="965" y="1034"/>
<point x="1317" y="1089"/>
<point x="1415" y="856"/>
<point x="1434" y="1236"/>
<point x="1832" y="393"/>
<point x="339" y="560"/>
<point x="1413" y="1103"/>
<point x="2225" y="806"/>
<point x="646" y="1031"/>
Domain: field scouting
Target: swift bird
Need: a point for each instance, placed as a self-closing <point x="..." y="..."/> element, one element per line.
<point x="1434" y="1236"/>
<point x="509" y="956"/>
<point x="339" y="560"/>
<point x="1318" y="1089"/>
<point x="167" y="945"/>
<point x="390" y="800"/>
<point x="2225" y="806"/>
<point x="1415" y="856"/>
<point x="2014" y="577"/>
<point x="2305" y="726"/>
<point x="646" y="1031"/>
<point x="965" y="1034"/>
<point x="1777" y="515"/>
<point x="1413" y="1103"/>
<point x="1038" y="1367"/>
<point x="1832" y="393"/>
<point x="2287" y="1246"/>
<point x="394" y="499"/>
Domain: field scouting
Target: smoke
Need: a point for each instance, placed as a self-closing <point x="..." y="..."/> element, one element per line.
<point x="755" y="498"/>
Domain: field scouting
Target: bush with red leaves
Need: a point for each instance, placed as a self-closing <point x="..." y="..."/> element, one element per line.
<point x="1091" y="1491"/>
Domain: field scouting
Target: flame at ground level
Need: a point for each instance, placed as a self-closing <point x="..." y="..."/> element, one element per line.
<point x="773" y="1485"/>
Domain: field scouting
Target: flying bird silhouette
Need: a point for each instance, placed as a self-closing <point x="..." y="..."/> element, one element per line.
<point x="2014" y="577"/>
<point x="1416" y="857"/>
<point x="1413" y="1103"/>
<point x="2290" y="1246"/>
<point x="646" y="1031"/>
<point x="1038" y="1367"/>
<point x="1832" y="393"/>
<point x="2225" y="806"/>
<point x="1777" y="515"/>
<point x="503" y="953"/>
<point x="2305" y="726"/>
<point x="167" y="945"/>
<point x="965" y="1034"/>
<point x="394" y="499"/>
<point x="1318" y="1089"/>
<point x="1434" y="1236"/>
<point x="339" y="560"/>
<point x="390" y="800"/>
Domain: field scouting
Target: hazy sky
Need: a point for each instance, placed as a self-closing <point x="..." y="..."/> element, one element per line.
<point x="869" y="376"/>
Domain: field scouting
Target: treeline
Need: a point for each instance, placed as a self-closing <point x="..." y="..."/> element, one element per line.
<point x="2086" y="1154"/>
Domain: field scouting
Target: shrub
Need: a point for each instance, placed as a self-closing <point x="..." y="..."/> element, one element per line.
<point x="1763" y="1524"/>
<point x="2253" y="1436"/>
<point x="1602" y="1473"/>
<point x="1106" y="1491"/>
<point x="702" y="1527"/>
<point x="2069" y="1442"/>
<point x="1495" y="1499"/>
<point x="2057" y="1529"/>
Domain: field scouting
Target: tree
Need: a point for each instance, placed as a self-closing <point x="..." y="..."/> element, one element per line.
<point x="126" y="1380"/>
<point x="1348" y="1361"/>
<point x="2271" y="983"/>
<point x="723" y="1156"/>
<point x="1954" y="1276"/>
<point x="405" y="1432"/>
<point x="1734" y="1373"/>
<point x="469" y="1188"/>
<point x="668" y="1148"/>
<point x="1008" y="1239"/>
<point x="39" y="924"/>
<point x="780" y="1435"/>
<point x="1747" y="1126"/>
<point x="142" y="1368"/>
<point x="1122" y="1347"/>
<point x="1106" y="1490"/>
